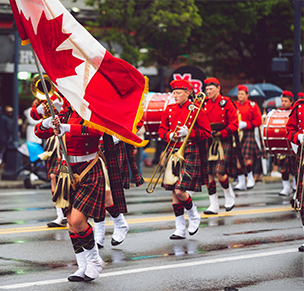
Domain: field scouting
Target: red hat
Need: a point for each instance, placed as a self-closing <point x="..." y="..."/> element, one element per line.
<point x="301" y="95"/>
<point x="287" y="94"/>
<point x="181" y="84"/>
<point x="243" y="87"/>
<point x="212" y="81"/>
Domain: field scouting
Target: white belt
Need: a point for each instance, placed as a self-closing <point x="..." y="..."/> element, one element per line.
<point x="80" y="159"/>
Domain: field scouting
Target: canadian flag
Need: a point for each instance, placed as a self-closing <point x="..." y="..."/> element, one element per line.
<point x="107" y="92"/>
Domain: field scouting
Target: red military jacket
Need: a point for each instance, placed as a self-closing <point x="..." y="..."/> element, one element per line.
<point x="295" y="123"/>
<point x="222" y="110"/>
<point x="175" y="113"/>
<point x="250" y="113"/>
<point x="80" y="141"/>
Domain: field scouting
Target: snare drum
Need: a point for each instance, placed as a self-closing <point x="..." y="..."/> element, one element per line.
<point x="155" y="105"/>
<point x="274" y="133"/>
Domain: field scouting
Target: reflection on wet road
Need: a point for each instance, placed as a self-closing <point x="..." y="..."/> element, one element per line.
<point x="262" y="225"/>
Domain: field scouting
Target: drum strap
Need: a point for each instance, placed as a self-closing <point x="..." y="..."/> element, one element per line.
<point x="215" y="150"/>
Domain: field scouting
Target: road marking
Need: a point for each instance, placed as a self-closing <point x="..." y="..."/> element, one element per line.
<point x="154" y="219"/>
<point x="161" y="267"/>
<point x="24" y="192"/>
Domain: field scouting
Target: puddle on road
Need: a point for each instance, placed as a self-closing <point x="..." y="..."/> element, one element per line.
<point x="25" y="267"/>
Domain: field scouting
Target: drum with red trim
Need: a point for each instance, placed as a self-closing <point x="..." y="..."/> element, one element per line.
<point x="274" y="133"/>
<point x="155" y="105"/>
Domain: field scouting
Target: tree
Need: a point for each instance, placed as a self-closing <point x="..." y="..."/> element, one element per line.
<point x="162" y="27"/>
<point x="241" y="37"/>
<point x="226" y="38"/>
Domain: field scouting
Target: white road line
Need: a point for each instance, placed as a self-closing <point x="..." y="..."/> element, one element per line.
<point x="25" y="192"/>
<point x="157" y="268"/>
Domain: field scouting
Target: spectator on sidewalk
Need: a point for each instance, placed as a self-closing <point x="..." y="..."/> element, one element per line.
<point x="6" y="129"/>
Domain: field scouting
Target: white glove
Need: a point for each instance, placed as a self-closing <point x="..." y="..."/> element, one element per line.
<point x="242" y="124"/>
<point x="115" y="139"/>
<point x="58" y="104"/>
<point x="64" y="128"/>
<point x="300" y="137"/>
<point x="40" y="109"/>
<point x="171" y="135"/>
<point x="48" y="122"/>
<point x="183" y="131"/>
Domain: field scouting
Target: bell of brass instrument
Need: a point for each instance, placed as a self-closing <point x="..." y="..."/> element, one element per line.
<point x="37" y="91"/>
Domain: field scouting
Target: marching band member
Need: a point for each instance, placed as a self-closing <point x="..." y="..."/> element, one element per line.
<point x="287" y="163"/>
<point x="52" y="162"/>
<point x="189" y="179"/>
<point x="300" y="95"/>
<point x="88" y="199"/>
<point x="295" y="127"/>
<point x="115" y="202"/>
<point x="221" y="158"/>
<point x="250" y="118"/>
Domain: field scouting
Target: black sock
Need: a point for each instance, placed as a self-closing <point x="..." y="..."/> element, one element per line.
<point x="178" y="209"/>
<point x="86" y="238"/>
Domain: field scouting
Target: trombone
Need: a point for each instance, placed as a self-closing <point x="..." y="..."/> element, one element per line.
<point x="200" y="97"/>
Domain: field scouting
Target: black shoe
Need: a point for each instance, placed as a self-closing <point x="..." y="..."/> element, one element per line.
<point x="209" y="212"/>
<point x="301" y="248"/>
<point x="99" y="246"/>
<point x="174" y="236"/>
<point x="193" y="233"/>
<point x="115" y="242"/>
<point x="75" y="279"/>
<point x="87" y="279"/>
<point x="229" y="208"/>
<point x="54" y="224"/>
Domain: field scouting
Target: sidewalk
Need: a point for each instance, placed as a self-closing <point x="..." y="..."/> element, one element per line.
<point x="147" y="174"/>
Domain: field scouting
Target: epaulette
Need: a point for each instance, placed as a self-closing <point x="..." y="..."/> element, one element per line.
<point x="295" y="105"/>
<point x="190" y="107"/>
<point x="223" y="102"/>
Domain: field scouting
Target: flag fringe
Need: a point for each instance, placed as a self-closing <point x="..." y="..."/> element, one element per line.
<point x="110" y="132"/>
<point x="25" y="42"/>
<point x="141" y="107"/>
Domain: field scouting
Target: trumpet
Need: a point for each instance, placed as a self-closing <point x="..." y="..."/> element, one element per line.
<point x="37" y="91"/>
<point x="169" y="177"/>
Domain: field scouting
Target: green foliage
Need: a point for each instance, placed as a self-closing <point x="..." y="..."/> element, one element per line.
<point x="164" y="27"/>
<point x="223" y="37"/>
<point x="241" y="37"/>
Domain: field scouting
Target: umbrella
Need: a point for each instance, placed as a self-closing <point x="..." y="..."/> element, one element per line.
<point x="254" y="91"/>
<point x="270" y="90"/>
<point x="272" y="103"/>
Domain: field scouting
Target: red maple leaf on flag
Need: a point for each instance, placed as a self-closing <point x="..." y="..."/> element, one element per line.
<point x="57" y="64"/>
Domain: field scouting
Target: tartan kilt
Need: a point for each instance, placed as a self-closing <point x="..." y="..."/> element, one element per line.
<point x="123" y="164"/>
<point x="190" y="174"/>
<point x="289" y="164"/>
<point x="226" y="165"/>
<point x="90" y="194"/>
<point x="250" y="149"/>
<point x="204" y="161"/>
<point x="52" y="165"/>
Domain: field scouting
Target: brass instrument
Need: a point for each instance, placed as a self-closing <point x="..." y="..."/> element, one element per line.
<point x="179" y="155"/>
<point x="37" y="91"/>
<point x="174" y="167"/>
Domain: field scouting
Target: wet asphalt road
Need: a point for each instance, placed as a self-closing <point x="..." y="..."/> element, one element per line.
<point x="254" y="247"/>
